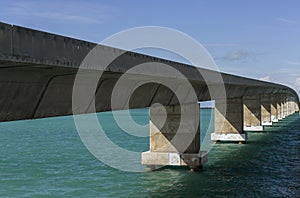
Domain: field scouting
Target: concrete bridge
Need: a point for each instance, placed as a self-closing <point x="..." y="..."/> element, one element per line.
<point x="38" y="71"/>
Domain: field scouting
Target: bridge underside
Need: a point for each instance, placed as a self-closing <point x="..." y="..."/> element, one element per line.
<point x="30" y="91"/>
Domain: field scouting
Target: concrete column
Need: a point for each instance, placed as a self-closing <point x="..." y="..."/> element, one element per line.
<point x="252" y="113"/>
<point x="292" y="106"/>
<point x="284" y="109"/>
<point x="279" y="113"/>
<point x="274" y="114"/>
<point x="287" y="111"/>
<point x="229" y="124"/>
<point x="266" y="119"/>
<point x="289" y="107"/>
<point x="174" y="137"/>
<point x="296" y="106"/>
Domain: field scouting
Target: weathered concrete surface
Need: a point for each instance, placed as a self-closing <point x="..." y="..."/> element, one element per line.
<point x="229" y="137"/>
<point x="290" y="106"/>
<point x="194" y="161"/>
<point x="279" y="110"/>
<point x="266" y="103"/>
<point x="296" y="107"/>
<point x="285" y="109"/>
<point x="252" y="113"/>
<point x="274" y="114"/>
<point x="229" y="125"/>
<point x="174" y="139"/>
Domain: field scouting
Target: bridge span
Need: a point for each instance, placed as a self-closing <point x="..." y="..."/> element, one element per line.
<point x="38" y="71"/>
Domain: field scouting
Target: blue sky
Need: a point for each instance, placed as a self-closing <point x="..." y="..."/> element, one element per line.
<point x="257" y="39"/>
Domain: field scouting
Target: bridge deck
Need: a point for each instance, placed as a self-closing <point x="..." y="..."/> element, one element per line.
<point x="37" y="72"/>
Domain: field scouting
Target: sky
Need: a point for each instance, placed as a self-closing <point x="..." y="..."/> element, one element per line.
<point x="258" y="39"/>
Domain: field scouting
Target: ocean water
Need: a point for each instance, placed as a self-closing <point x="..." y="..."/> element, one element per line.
<point x="46" y="158"/>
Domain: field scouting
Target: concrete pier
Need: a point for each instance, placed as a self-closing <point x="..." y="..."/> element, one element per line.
<point x="296" y="107"/>
<point x="290" y="106"/>
<point x="279" y="109"/>
<point x="173" y="141"/>
<point x="274" y="114"/>
<point x="285" y="109"/>
<point x="252" y="113"/>
<point x="266" y="118"/>
<point x="229" y="126"/>
<point x="282" y="105"/>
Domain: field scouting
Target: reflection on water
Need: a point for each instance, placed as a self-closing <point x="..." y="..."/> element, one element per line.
<point x="46" y="157"/>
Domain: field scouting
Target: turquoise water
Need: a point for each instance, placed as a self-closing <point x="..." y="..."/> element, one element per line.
<point x="46" y="157"/>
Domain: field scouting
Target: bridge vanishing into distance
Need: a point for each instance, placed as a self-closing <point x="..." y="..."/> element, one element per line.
<point x="38" y="72"/>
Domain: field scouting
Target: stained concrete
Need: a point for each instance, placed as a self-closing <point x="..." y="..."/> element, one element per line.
<point x="266" y="119"/>
<point x="229" y="124"/>
<point x="274" y="109"/>
<point x="174" y="136"/>
<point x="252" y="113"/>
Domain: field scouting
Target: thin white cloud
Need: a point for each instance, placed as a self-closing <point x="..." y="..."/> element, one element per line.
<point x="297" y="83"/>
<point x="293" y="63"/>
<point x="73" y="12"/>
<point x="240" y="55"/>
<point x="283" y="78"/>
<point x="286" y="76"/>
<point x="287" y="71"/>
<point x="220" y="44"/>
<point x="297" y="74"/>
<point x="284" y="20"/>
<point x="266" y="78"/>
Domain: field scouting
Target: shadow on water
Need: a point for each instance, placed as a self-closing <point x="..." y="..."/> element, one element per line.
<point x="268" y="165"/>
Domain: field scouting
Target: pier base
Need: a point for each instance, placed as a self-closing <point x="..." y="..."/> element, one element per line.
<point x="253" y="128"/>
<point x="266" y="123"/>
<point x="229" y="137"/>
<point x="159" y="159"/>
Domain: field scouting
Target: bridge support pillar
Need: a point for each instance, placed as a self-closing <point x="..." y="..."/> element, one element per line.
<point x="229" y="125"/>
<point x="174" y="137"/>
<point x="293" y="106"/>
<point x="289" y="107"/>
<point x="296" y="107"/>
<point x="279" y="109"/>
<point x="252" y="113"/>
<point x="266" y="118"/>
<point x="284" y="109"/>
<point x="274" y="114"/>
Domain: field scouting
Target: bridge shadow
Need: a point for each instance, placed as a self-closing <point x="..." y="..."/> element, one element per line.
<point x="256" y="168"/>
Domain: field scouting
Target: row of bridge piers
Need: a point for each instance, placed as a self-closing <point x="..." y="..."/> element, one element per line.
<point x="250" y="113"/>
<point x="175" y="141"/>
